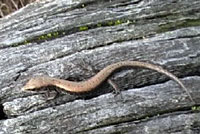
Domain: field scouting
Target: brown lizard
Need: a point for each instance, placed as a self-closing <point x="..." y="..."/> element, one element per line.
<point x="93" y="82"/>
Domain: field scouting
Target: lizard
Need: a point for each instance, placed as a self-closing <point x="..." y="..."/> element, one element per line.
<point x="96" y="80"/>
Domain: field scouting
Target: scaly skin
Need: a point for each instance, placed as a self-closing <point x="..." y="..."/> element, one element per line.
<point x="93" y="82"/>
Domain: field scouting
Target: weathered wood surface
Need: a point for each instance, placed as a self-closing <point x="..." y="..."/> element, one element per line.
<point x="55" y="37"/>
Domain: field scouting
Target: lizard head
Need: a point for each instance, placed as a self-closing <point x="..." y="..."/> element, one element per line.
<point x="34" y="83"/>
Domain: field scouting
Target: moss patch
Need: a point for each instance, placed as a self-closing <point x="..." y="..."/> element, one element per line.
<point x="178" y="25"/>
<point x="195" y="108"/>
<point x="56" y="34"/>
<point x="83" y="28"/>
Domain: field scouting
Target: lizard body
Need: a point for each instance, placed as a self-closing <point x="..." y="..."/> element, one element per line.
<point x="93" y="82"/>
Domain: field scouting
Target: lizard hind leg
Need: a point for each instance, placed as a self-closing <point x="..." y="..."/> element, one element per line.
<point x="89" y="68"/>
<point x="116" y="90"/>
